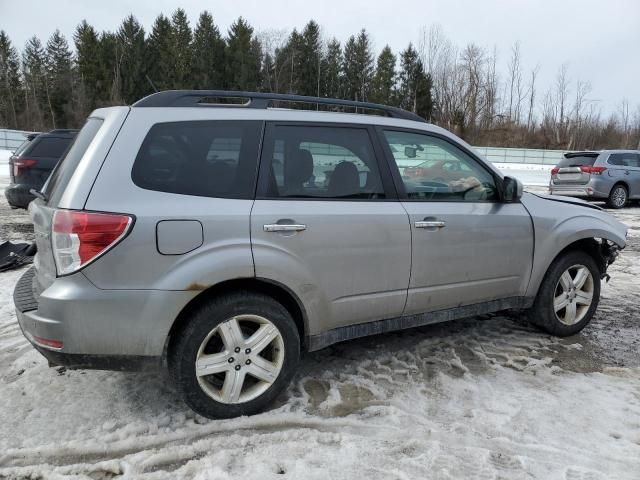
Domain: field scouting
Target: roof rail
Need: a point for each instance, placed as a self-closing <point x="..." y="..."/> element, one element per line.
<point x="193" y="98"/>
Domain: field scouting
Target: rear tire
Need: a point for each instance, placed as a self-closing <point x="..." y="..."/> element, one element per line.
<point x="568" y="296"/>
<point x="618" y="197"/>
<point x="249" y="343"/>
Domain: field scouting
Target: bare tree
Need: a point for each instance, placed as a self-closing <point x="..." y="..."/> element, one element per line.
<point x="561" y="96"/>
<point x="272" y="41"/>
<point x="515" y="83"/>
<point x="623" y="113"/>
<point x="532" y="97"/>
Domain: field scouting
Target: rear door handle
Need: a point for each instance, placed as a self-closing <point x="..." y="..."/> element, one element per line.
<point x="276" y="227"/>
<point x="430" y="224"/>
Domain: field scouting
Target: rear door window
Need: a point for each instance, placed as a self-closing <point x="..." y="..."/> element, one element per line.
<point x="54" y="188"/>
<point x="624" y="159"/>
<point x="309" y="161"/>
<point x="203" y="158"/>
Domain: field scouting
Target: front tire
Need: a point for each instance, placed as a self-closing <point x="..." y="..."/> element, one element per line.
<point x="618" y="197"/>
<point x="569" y="295"/>
<point x="234" y="355"/>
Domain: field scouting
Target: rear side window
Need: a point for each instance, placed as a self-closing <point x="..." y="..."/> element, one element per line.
<point x="577" y="161"/>
<point x="203" y="158"/>
<point x="624" y="159"/>
<point x="54" y="188"/>
<point x="52" y="147"/>
<point x="321" y="162"/>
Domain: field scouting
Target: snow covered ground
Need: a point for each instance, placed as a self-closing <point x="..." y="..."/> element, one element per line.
<point x="488" y="398"/>
<point x="4" y="169"/>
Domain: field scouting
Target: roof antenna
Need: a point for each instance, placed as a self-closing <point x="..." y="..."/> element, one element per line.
<point x="151" y="83"/>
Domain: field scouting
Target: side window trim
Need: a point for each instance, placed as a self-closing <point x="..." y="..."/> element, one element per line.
<point x="395" y="172"/>
<point x="267" y="145"/>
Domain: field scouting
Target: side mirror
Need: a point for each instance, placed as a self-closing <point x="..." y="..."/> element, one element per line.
<point x="511" y="189"/>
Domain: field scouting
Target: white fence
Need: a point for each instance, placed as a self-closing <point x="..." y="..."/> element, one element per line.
<point x="11" y="139"/>
<point x="534" y="156"/>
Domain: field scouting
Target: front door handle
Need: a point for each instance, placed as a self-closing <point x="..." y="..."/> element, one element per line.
<point x="276" y="227"/>
<point x="430" y="224"/>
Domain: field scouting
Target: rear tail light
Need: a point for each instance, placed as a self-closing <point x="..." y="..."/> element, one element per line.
<point x="593" y="170"/>
<point x="78" y="238"/>
<point x="555" y="170"/>
<point x="22" y="164"/>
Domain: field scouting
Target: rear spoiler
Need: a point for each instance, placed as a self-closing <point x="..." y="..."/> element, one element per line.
<point x="581" y="154"/>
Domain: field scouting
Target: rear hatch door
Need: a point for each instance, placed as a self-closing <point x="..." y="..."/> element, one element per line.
<point x="83" y="159"/>
<point x="573" y="169"/>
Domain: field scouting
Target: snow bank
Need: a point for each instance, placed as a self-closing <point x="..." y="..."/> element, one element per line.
<point x="4" y="156"/>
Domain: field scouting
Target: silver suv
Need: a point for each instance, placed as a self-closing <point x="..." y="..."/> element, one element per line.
<point x="225" y="240"/>
<point x="611" y="175"/>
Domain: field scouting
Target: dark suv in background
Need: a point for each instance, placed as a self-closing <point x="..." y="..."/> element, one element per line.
<point x="33" y="161"/>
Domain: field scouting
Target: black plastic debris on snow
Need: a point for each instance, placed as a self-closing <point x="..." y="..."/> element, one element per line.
<point x="15" y="255"/>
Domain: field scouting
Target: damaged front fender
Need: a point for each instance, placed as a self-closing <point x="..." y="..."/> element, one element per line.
<point x="561" y="225"/>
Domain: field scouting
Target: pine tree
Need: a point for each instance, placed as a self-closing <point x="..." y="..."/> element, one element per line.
<point x="60" y="79"/>
<point x="208" y="54"/>
<point x="414" y="90"/>
<point x="181" y="38"/>
<point x="383" y="84"/>
<point x="130" y="61"/>
<point x="88" y="64"/>
<point x="36" y="88"/>
<point x="332" y="70"/>
<point x="110" y="73"/>
<point x="358" y="66"/>
<point x="10" y="83"/>
<point x="309" y="61"/>
<point x="242" y="70"/>
<point x="159" y="58"/>
<point x="288" y="60"/>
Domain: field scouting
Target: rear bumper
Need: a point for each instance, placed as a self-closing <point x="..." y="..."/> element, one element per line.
<point x="18" y="195"/>
<point x="105" y="329"/>
<point x="598" y="187"/>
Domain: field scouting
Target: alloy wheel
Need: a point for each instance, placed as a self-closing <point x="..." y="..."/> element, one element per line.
<point x="619" y="197"/>
<point x="240" y="359"/>
<point x="573" y="294"/>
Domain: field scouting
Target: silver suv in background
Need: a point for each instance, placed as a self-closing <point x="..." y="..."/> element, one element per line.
<point x="611" y="175"/>
<point x="224" y="241"/>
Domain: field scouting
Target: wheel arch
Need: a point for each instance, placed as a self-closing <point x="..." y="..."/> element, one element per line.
<point x="600" y="245"/>
<point x="277" y="291"/>
<point x="620" y="182"/>
<point x="590" y="246"/>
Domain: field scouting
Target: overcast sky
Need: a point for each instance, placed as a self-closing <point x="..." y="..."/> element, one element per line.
<point x="598" y="39"/>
